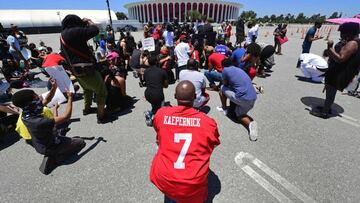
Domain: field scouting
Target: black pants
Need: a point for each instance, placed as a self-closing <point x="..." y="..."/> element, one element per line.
<point x="155" y="98"/>
<point x="155" y="107"/>
<point x="66" y="148"/>
<point x="178" y="70"/>
<point x="17" y="84"/>
<point x="8" y="124"/>
<point x="9" y="120"/>
<point x="330" y="97"/>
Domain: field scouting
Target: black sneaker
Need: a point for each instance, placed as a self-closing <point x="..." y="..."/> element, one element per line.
<point x="48" y="165"/>
<point x="135" y="74"/>
<point x="91" y="110"/>
<point x="105" y="119"/>
<point x="76" y="88"/>
<point x="63" y="131"/>
<point x="320" y="109"/>
<point x="320" y="114"/>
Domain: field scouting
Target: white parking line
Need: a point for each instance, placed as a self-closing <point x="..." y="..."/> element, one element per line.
<point x="265" y="184"/>
<point x="243" y="156"/>
<point x="347" y="121"/>
<point x="348" y="117"/>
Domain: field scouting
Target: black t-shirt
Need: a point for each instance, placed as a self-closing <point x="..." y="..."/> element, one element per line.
<point x="10" y="72"/>
<point x="34" y="53"/>
<point x="338" y="74"/>
<point x="43" y="133"/>
<point x="77" y="38"/>
<point x="134" y="62"/>
<point x="240" y="27"/>
<point x="154" y="79"/>
<point x="208" y="29"/>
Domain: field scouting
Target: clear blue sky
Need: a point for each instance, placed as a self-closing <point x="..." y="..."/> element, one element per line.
<point x="262" y="7"/>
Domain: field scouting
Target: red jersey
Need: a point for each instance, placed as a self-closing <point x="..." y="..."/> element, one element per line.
<point x="186" y="139"/>
<point x="195" y="56"/>
<point x="52" y="60"/>
<point x="157" y="33"/>
<point x="215" y="60"/>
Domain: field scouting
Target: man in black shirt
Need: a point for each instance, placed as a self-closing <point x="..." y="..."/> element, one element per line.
<point x="74" y="36"/>
<point x="134" y="61"/>
<point x="240" y="31"/>
<point x="156" y="80"/>
<point x="44" y="135"/>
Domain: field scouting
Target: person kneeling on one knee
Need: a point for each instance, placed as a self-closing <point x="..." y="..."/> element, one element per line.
<point x="45" y="139"/>
<point x="238" y="88"/>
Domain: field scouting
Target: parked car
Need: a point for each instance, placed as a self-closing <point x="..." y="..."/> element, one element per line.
<point x="127" y="28"/>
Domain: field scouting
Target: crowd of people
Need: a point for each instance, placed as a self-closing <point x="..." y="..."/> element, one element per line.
<point x="194" y="55"/>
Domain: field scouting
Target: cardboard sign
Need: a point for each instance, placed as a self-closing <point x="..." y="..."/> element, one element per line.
<point x="58" y="98"/>
<point x="148" y="44"/>
<point x="62" y="79"/>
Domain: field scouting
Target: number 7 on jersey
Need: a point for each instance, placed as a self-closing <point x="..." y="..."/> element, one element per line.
<point x="179" y="164"/>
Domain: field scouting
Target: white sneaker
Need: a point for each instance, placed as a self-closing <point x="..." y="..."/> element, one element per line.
<point x="220" y="109"/>
<point x="253" y="131"/>
<point x="148" y="118"/>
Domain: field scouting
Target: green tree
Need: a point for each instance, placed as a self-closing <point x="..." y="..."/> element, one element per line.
<point x="121" y="16"/>
<point x="280" y="19"/>
<point x="266" y="19"/>
<point x="194" y="15"/>
<point x="301" y="18"/>
<point x="273" y="18"/>
<point x="289" y="18"/>
<point x="248" y="15"/>
<point x="335" y="15"/>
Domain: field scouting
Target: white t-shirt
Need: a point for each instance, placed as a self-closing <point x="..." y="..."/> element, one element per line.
<point x="254" y="31"/>
<point x="12" y="40"/>
<point x="182" y="51"/>
<point x="198" y="80"/>
<point x="314" y="60"/>
<point x="169" y="38"/>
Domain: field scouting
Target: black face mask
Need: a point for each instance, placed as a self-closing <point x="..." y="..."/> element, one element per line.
<point x="35" y="108"/>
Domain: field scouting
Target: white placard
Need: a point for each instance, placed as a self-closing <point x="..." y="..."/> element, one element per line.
<point x="148" y="44"/>
<point x="62" y="79"/>
<point x="26" y="53"/>
<point x="57" y="99"/>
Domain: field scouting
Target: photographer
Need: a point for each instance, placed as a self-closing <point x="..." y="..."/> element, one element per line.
<point x="74" y="36"/>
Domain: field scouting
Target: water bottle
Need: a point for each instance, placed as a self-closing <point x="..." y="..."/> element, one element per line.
<point x="22" y="64"/>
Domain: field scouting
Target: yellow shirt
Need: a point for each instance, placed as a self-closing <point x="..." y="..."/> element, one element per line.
<point x="21" y="128"/>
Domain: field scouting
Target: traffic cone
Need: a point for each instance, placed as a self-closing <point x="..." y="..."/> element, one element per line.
<point x="302" y="33"/>
<point x="328" y="35"/>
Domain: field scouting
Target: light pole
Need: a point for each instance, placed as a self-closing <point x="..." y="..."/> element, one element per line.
<point x="108" y="5"/>
<point x="58" y="13"/>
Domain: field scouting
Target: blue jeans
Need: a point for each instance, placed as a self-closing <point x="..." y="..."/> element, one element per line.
<point x="213" y="76"/>
<point x="168" y="200"/>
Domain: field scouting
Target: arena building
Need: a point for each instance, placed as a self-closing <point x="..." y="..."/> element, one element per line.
<point x="167" y="10"/>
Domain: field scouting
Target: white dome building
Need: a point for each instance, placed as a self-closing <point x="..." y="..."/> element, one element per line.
<point x="167" y="10"/>
<point x="36" y="21"/>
